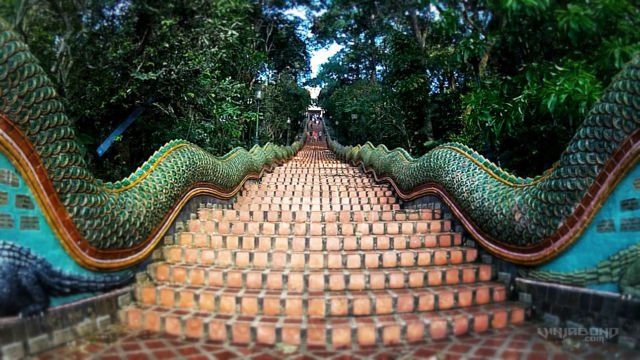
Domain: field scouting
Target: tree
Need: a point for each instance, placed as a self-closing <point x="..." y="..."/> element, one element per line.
<point x="513" y="79"/>
<point x="193" y="65"/>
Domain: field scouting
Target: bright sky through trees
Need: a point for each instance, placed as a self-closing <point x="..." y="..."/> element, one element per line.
<point x="317" y="56"/>
<point x="512" y="79"/>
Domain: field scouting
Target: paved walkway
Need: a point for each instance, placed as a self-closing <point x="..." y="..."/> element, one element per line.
<point x="512" y="342"/>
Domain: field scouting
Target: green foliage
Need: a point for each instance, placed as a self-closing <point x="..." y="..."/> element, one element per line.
<point x="195" y="65"/>
<point x="368" y="113"/>
<point x="284" y="101"/>
<point x="512" y="78"/>
<point x="569" y="90"/>
<point x="490" y="113"/>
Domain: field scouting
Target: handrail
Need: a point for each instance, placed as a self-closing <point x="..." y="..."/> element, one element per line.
<point x="102" y="225"/>
<point x="523" y="220"/>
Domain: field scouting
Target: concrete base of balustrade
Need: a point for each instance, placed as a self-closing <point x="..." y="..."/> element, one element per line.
<point x="66" y="323"/>
<point x="22" y="337"/>
<point x="613" y="317"/>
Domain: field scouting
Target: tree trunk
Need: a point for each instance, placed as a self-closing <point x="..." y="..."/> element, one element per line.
<point x="421" y="37"/>
<point x="452" y="81"/>
<point x="428" y="127"/>
<point x="484" y="60"/>
<point x="373" y="58"/>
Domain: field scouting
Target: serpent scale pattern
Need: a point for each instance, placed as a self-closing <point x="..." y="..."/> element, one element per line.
<point x="513" y="210"/>
<point x="124" y="213"/>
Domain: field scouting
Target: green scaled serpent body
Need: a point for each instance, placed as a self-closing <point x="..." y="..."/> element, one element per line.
<point x="111" y="215"/>
<point x="517" y="211"/>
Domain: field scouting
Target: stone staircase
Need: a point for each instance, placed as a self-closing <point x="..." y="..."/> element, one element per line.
<point x="318" y="255"/>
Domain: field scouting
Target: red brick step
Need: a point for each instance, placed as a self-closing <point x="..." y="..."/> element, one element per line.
<point x="225" y="227"/>
<point x="333" y="332"/>
<point x="278" y="259"/>
<point x="318" y="243"/>
<point x="316" y="216"/>
<point x="323" y="279"/>
<point x="319" y="303"/>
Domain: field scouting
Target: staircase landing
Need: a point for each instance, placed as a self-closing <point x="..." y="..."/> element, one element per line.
<point x="511" y="342"/>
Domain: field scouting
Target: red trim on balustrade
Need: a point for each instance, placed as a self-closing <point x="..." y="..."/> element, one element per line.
<point x="22" y="154"/>
<point x="621" y="162"/>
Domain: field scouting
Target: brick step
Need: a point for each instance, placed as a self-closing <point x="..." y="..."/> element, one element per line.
<point x="333" y="195"/>
<point x="318" y="165"/>
<point x="334" y="332"/>
<point x="316" y="207"/>
<point x="304" y="171"/>
<point x="319" y="279"/>
<point x="310" y="187"/>
<point x="319" y="303"/>
<point x="325" y="169"/>
<point x="317" y="243"/>
<point x="316" y="216"/>
<point x="335" y="192"/>
<point x="318" y="180"/>
<point x="242" y="199"/>
<point x="276" y="259"/>
<point x="225" y="227"/>
<point x="328" y="161"/>
<point x="320" y="177"/>
<point x="319" y="183"/>
<point x="325" y="181"/>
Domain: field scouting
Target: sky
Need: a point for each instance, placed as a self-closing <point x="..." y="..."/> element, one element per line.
<point x="321" y="56"/>
<point x="318" y="56"/>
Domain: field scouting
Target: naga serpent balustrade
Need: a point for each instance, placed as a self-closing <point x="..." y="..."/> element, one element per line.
<point x="103" y="225"/>
<point x="523" y="220"/>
